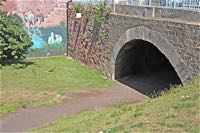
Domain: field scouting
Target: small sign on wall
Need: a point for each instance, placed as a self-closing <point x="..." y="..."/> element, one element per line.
<point x="78" y="15"/>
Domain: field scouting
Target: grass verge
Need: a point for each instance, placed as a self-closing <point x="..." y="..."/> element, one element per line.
<point x="37" y="82"/>
<point x="175" y="111"/>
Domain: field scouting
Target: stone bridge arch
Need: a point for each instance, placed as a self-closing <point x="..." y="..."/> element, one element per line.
<point x="160" y="42"/>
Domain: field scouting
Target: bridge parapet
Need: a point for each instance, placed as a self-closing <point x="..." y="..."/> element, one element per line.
<point x="157" y="12"/>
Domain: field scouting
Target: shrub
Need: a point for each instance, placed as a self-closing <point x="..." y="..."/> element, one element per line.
<point x="78" y="7"/>
<point x="14" y="40"/>
<point x="101" y="11"/>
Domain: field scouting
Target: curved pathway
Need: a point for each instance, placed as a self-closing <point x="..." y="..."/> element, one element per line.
<point x="27" y="119"/>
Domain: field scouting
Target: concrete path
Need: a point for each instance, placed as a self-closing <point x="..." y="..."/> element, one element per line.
<point x="30" y="118"/>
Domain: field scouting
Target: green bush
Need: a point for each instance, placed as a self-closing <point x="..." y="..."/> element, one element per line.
<point x="14" y="40"/>
<point x="101" y="11"/>
<point x="78" y="7"/>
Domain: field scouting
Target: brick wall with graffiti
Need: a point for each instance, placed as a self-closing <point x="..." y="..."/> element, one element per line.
<point x="44" y="20"/>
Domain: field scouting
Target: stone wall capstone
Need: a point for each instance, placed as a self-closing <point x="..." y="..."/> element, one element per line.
<point x="158" y="12"/>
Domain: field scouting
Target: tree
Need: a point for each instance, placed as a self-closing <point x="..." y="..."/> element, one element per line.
<point x="14" y="40"/>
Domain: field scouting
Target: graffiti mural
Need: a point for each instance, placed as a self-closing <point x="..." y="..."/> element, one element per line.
<point x="48" y="40"/>
<point x="44" y="20"/>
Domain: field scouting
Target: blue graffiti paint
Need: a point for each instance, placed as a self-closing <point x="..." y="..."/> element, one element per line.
<point x="37" y="41"/>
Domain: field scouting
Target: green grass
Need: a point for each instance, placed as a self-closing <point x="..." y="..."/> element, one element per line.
<point x="175" y="111"/>
<point x="44" y="81"/>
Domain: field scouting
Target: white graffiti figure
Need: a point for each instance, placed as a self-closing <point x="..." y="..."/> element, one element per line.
<point x="51" y="39"/>
<point x="58" y="39"/>
<point x="54" y="39"/>
<point x="29" y="18"/>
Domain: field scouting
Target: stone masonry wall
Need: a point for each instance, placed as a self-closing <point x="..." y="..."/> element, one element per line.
<point x="87" y="41"/>
<point x="94" y="50"/>
<point x="183" y="36"/>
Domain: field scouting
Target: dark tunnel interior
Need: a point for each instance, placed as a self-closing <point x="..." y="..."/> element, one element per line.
<point x="141" y="66"/>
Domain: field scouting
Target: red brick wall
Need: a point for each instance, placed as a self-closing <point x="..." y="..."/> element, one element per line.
<point x="53" y="11"/>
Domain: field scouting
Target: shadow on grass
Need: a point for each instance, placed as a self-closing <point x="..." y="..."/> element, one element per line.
<point x="16" y="63"/>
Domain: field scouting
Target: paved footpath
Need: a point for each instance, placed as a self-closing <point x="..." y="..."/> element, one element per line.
<point x="30" y="118"/>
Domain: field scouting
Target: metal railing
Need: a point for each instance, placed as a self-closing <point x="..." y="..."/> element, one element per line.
<point x="177" y="4"/>
<point x="93" y="2"/>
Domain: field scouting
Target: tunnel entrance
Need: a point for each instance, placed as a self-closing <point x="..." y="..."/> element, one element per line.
<point x="141" y="66"/>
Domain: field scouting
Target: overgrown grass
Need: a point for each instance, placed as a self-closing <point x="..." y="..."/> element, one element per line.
<point x="39" y="82"/>
<point x="175" y="111"/>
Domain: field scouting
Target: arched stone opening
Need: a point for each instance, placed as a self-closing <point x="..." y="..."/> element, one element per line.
<point x="140" y="65"/>
<point x="143" y="39"/>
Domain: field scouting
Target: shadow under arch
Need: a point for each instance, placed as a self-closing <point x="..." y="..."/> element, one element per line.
<point x="132" y="64"/>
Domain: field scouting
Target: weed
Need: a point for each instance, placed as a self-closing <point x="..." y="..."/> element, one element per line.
<point x="138" y="125"/>
<point x="138" y="112"/>
<point x="34" y="71"/>
<point x="114" y="129"/>
<point x="61" y="92"/>
<point x="78" y="8"/>
<point x="52" y="70"/>
<point x="184" y="105"/>
<point x="18" y="66"/>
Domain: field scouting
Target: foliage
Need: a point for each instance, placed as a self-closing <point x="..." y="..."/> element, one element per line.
<point x="78" y="7"/>
<point x="14" y="40"/>
<point x="18" y="66"/>
<point x="175" y="111"/>
<point x="101" y="11"/>
<point x="38" y="82"/>
<point x="97" y="13"/>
